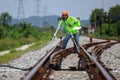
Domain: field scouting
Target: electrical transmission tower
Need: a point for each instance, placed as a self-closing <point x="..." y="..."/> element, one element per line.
<point x="45" y="16"/>
<point x="20" y="14"/>
<point x="45" y="10"/>
<point x="38" y="7"/>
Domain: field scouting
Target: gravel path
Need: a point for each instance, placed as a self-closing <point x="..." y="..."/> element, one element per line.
<point x="30" y="58"/>
<point x="20" y="48"/>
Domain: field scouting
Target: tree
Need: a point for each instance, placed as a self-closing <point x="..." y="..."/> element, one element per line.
<point x="23" y="26"/>
<point x="114" y="13"/>
<point x="5" y="18"/>
<point x="97" y="16"/>
<point x="114" y="16"/>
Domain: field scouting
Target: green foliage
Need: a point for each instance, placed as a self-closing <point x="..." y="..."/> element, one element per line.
<point x="115" y="29"/>
<point x="110" y="25"/>
<point x="5" y="18"/>
<point x="12" y="55"/>
<point x="2" y="32"/>
<point x="105" y="29"/>
<point x="13" y="51"/>
<point x="114" y="12"/>
<point x="23" y="33"/>
<point x="97" y="16"/>
<point x="8" y="43"/>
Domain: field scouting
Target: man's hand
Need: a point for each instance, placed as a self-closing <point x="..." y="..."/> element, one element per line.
<point x="63" y="18"/>
<point x="59" y="18"/>
<point x="54" y="37"/>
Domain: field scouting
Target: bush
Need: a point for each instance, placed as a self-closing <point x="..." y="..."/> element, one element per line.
<point x="2" y="32"/>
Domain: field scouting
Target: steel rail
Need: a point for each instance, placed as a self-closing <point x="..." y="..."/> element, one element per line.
<point x="103" y="71"/>
<point x="106" y="75"/>
<point x="34" y="70"/>
<point x="31" y="74"/>
<point x="51" y="57"/>
<point x="68" y="50"/>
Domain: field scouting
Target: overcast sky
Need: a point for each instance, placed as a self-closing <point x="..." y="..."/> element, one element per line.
<point x="77" y="8"/>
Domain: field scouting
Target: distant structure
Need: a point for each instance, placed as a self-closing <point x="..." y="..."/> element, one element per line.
<point x="38" y="7"/>
<point x="45" y="13"/>
<point x="102" y="11"/>
<point x="46" y="18"/>
<point x="45" y="10"/>
<point x="103" y="4"/>
<point x="20" y="14"/>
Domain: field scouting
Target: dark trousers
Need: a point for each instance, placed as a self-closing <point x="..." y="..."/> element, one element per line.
<point x="66" y="39"/>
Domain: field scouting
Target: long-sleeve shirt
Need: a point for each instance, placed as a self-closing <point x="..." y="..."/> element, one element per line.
<point x="69" y="24"/>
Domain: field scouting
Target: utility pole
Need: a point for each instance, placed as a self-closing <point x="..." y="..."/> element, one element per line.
<point x="102" y="17"/>
<point x="109" y="22"/>
<point x="20" y="14"/>
<point x="95" y="22"/>
<point x="103" y="4"/>
<point x="102" y="11"/>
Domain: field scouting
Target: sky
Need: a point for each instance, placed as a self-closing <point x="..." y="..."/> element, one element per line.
<point x="77" y="8"/>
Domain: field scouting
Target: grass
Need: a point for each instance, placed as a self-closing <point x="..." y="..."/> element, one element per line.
<point x="8" y="43"/>
<point x="18" y="53"/>
<point x="107" y="37"/>
<point x="12" y="55"/>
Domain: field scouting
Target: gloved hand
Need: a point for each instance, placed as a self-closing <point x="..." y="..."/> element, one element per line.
<point x="63" y="19"/>
<point x="59" y="18"/>
<point x="54" y="37"/>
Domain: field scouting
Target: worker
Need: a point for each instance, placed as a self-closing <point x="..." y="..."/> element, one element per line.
<point x="71" y="25"/>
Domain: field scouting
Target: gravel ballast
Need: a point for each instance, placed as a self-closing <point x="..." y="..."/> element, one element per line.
<point x="111" y="59"/>
<point x="29" y="59"/>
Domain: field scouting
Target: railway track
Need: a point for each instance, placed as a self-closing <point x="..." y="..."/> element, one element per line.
<point x="88" y="61"/>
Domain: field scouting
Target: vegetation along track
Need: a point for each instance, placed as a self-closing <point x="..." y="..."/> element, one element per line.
<point x="88" y="61"/>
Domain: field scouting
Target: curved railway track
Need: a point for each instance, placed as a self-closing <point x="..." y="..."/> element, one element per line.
<point x="88" y="61"/>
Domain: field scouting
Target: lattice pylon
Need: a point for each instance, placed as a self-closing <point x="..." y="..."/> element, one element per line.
<point x="20" y="14"/>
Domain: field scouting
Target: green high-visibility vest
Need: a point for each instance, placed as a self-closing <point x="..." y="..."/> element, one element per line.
<point x="72" y="22"/>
